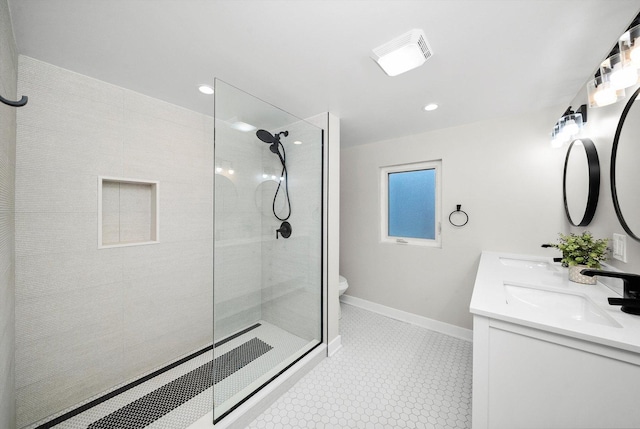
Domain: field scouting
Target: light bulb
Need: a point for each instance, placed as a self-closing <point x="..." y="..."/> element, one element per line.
<point x="557" y="137"/>
<point x="635" y="56"/>
<point x="264" y="176"/>
<point x="556" y="142"/>
<point x="624" y="77"/>
<point x="231" y="171"/>
<point x="273" y="177"/>
<point x="605" y="96"/>
<point x="218" y="169"/>
<point x="281" y="178"/>
<point x="571" y="128"/>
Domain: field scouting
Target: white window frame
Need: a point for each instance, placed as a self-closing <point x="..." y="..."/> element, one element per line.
<point x="384" y="203"/>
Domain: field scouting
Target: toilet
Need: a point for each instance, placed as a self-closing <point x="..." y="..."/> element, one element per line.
<point x="342" y="287"/>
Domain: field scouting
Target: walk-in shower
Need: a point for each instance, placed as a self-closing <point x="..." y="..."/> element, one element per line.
<point x="267" y="291"/>
<point x="157" y="283"/>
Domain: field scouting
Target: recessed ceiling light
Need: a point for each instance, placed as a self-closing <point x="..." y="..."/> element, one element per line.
<point x="297" y="142"/>
<point x="205" y="89"/>
<point x="431" y="106"/>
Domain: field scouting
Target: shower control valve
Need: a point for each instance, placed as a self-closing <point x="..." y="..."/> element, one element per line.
<point x="284" y="230"/>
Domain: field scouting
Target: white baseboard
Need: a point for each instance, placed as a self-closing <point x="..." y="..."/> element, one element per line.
<point x="414" y="319"/>
<point x="334" y="346"/>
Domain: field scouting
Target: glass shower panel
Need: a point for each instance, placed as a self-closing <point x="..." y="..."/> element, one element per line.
<point x="268" y="243"/>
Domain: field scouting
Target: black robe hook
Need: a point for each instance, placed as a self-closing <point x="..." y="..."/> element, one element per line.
<point x="18" y="103"/>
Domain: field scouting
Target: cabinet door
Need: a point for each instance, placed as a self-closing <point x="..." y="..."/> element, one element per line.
<point x="535" y="383"/>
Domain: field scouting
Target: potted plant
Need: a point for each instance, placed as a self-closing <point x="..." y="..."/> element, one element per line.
<point x="580" y="252"/>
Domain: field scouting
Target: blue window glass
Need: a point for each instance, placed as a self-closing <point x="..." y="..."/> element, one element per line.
<point x="412" y="204"/>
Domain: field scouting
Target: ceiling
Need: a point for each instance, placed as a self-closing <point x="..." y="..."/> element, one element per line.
<point x="491" y="58"/>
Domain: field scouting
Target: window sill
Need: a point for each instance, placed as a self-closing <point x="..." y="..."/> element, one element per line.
<point x="412" y="242"/>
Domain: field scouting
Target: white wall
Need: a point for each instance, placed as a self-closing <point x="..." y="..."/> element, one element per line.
<point x="507" y="179"/>
<point x="88" y="319"/>
<point x="331" y="227"/>
<point x="8" y="83"/>
<point x="238" y="231"/>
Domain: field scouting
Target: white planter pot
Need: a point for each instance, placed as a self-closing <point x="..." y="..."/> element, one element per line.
<point x="575" y="276"/>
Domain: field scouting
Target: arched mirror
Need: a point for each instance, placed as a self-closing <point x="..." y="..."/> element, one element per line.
<point x="625" y="168"/>
<point x="581" y="182"/>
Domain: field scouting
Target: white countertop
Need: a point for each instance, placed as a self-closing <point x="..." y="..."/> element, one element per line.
<point x="490" y="299"/>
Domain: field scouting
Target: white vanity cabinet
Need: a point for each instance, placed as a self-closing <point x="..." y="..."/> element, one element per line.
<point x="536" y="370"/>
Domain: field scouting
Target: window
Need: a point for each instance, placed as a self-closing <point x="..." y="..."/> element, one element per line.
<point x="411" y="203"/>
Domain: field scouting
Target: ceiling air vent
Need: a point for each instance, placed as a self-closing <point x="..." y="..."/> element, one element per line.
<point x="403" y="53"/>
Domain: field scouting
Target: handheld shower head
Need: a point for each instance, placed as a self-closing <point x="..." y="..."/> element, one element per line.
<point x="274" y="141"/>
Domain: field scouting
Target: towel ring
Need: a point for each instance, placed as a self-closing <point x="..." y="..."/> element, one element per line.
<point x="458" y="210"/>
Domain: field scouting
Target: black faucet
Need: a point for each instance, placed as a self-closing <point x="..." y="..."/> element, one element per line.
<point x="630" y="300"/>
<point x="284" y="230"/>
<point x="551" y="245"/>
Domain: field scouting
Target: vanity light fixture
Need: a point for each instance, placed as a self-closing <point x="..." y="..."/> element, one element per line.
<point x="557" y="139"/>
<point x="404" y="53"/>
<point x="602" y="93"/>
<point x="619" y="71"/>
<point x="568" y="126"/>
<point x="205" y="89"/>
<point x="629" y="45"/>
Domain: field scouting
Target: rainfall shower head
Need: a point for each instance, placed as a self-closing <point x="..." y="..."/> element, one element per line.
<point x="273" y="140"/>
<point x="265" y="136"/>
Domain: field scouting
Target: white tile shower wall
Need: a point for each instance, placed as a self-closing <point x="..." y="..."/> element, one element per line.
<point x="238" y="253"/>
<point x="291" y="271"/>
<point x="136" y="214"/>
<point x="89" y="319"/>
<point x="8" y="83"/>
<point x="110" y="212"/>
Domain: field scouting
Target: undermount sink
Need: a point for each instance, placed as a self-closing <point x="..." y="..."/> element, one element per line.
<point x="526" y="263"/>
<point x="563" y="305"/>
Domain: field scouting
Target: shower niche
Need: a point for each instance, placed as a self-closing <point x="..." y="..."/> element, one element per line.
<point x="127" y="212"/>
<point x="268" y="243"/>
